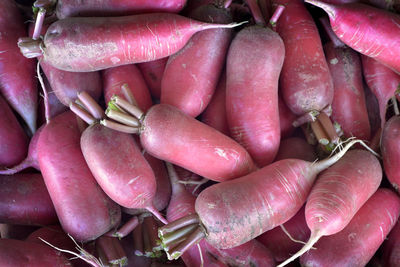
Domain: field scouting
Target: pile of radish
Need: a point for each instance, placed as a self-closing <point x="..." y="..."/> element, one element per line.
<point x="199" y="133"/>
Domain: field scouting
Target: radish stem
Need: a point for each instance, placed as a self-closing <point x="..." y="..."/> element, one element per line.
<point x="319" y="133"/>
<point x="122" y="118"/>
<point x="127" y="228"/>
<point x="82" y="113"/>
<point x="131" y="109"/>
<point x="175" y="225"/>
<point x="327" y="125"/>
<point x="274" y="19"/>
<point x="39" y="24"/>
<point x="119" y="127"/>
<point x="192" y="239"/>
<point x="256" y="12"/>
<point x="91" y="105"/>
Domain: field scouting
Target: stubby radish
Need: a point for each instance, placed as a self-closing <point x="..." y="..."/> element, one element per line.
<point x="253" y="66"/>
<point x="360" y="239"/>
<point x="17" y="82"/>
<point x="305" y="82"/>
<point x="25" y="200"/>
<point x="338" y="194"/>
<point x="115" y="78"/>
<point x="215" y="113"/>
<point x="96" y="8"/>
<point x="83" y="209"/>
<point x="234" y="212"/>
<point x="152" y="73"/>
<point x="90" y="44"/>
<point x="349" y="109"/>
<point x="391" y="248"/>
<point x="24" y="253"/>
<point x="390" y="148"/>
<point x="191" y="75"/>
<point x="126" y="177"/>
<point x="13" y="140"/>
<point x="368" y="30"/>
<point x="382" y="81"/>
<point x="169" y="134"/>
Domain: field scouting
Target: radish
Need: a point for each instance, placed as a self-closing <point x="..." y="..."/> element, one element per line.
<point x="253" y="66"/>
<point x="286" y="118"/>
<point x="357" y="243"/>
<point x="90" y="44"/>
<point x="338" y="194"/>
<point x="390" y="151"/>
<point x="13" y="140"/>
<point x="191" y="75"/>
<point x="382" y="81"/>
<point x="391" y="248"/>
<point x="368" y="30"/>
<point x="95" y="8"/>
<point x="168" y="134"/>
<point x="17" y="82"/>
<point x="348" y="106"/>
<point x="84" y="210"/>
<point x="25" y="200"/>
<point x="126" y="178"/>
<point x="234" y="212"/>
<point x="152" y="73"/>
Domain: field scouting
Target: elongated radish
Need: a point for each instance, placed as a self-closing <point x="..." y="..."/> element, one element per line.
<point x="152" y="73"/>
<point x="13" y="140"/>
<point x="390" y="151"/>
<point x="371" y="31"/>
<point x="25" y="200"/>
<point x="382" y="81"/>
<point x="90" y="44"/>
<point x="338" y="194"/>
<point x="234" y="212"/>
<point x="191" y="75"/>
<point x="84" y="210"/>
<point x="348" y="106"/>
<point x="17" y="82"/>
<point x="357" y="243"/>
<point x="168" y="134"/>
<point x="253" y="66"/>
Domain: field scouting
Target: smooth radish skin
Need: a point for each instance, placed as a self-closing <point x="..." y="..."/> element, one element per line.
<point x="305" y="82"/>
<point x="84" y="210"/>
<point x="215" y="113"/>
<point x="382" y="81"/>
<point x="90" y="44"/>
<point x="25" y="200"/>
<point x="98" y="8"/>
<point x="13" y="140"/>
<point x="349" y="109"/>
<point x="253" y="66"/>
<point x="191" y="75"/>
<point x="368" y="30"/>
<point x="357" y="243"/>
<point x="234" y="212"/>
<point x="391" y="248"/>
<point x="338" y="194"/>
<point x="390" y="148"/>
<point x="24" y="253"/>
<point x="114" y="78"/>
<point x="152" y="73"/>
<point x="18" y="83"/>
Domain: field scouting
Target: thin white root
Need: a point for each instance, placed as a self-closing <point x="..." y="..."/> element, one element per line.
<point x="201" y="255"/>
<point x="45" y="95"/>
<point x="291" y="238"/>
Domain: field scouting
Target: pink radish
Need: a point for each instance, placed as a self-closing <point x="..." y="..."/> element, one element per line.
<point x="152" y="73"/>
<point x="390" y="144"/>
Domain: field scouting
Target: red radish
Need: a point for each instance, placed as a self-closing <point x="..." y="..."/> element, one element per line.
<point x="152" y="73"/>
<point x="69" y="43"/>
<point x="357" y="243"/>
<point x="280" y="244"/>
<point x="84" y="210"/>
<point x="349" y="109"/>
<point x="25" y="200"/>
<point x="390" y="148"/>
<point x="13" y="140"/>
<point x="382" y="81"/>
<point x="305" y="83"/>
<point x="168" y="134"/>
<point x="391" y="248"/>
<point x="23" y="253"/>
<point x="17" y="82"/>
<point x="191" y="75"/>
<point x="234" y="212"/>
<point x="286" y="118"/>
<point x="114" y="78"/>
<point x="370" y="31"/>
<point x="96" y="8"/>
<point x="338" y="194"/>
<point x="253" y="66"/>
<point x="215" y="113"/>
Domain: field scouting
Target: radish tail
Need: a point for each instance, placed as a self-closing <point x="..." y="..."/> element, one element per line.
<point x="156" y="214"/>
<point x="26" y="163"/>
<point x="329" y="9"/>
<point x="315" y="236"/>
